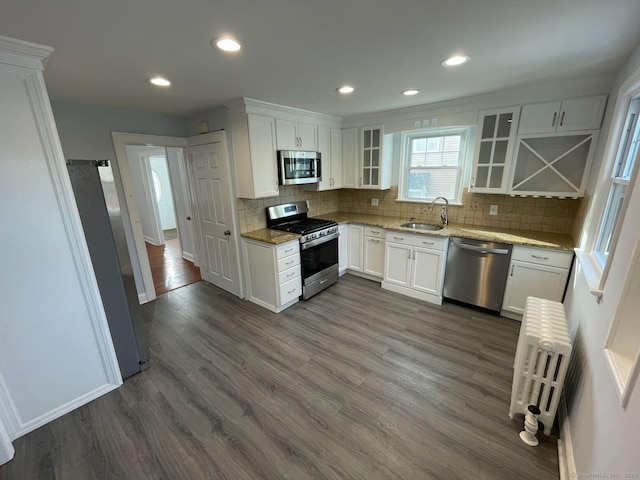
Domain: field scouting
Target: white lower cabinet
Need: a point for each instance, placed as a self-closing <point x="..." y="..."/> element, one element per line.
<point x="274" y="278"/>
<point x="355" y="258"/>
<point x="374" y="251"/>
<point x="343" y="249"/>
<point x="414" y="265"/>
<point x="535" y="272"/>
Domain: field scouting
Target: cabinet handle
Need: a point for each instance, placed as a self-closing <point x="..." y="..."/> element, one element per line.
<point x="374" y="240"/>
<point x="398" y="238"/>
<point x="291" y="274"/>
<point x="288" y="250"/>
<point x="414" y="254"/>
<point x="409" y="257"/>
<point x="360" y="184"/>
<point x="429" y="243"/>
<point x="553" y="122"/>
<point x="472" y="183"/>
<point x="291" y="291"/>
<point x="512" y="268"/>
<point x="375" y="232"/>
<point x="539" y="257"/>
<point x="290" y="262"/>
<point x="562" y="118"/>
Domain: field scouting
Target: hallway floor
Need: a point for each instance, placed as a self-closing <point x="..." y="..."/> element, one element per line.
<point x="169" y="269"/>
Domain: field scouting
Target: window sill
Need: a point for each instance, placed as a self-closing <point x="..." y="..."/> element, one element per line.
<point x="591" y="270"/>
<point x="428" y="202"/>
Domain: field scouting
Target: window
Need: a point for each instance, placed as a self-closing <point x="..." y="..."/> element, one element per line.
<point x="625" y="161"/>
<point x="433" y="165"/>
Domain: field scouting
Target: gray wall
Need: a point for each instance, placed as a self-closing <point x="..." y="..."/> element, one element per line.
<point x="85" y="132"/>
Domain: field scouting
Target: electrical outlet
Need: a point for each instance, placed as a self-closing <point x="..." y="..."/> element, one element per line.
<point x="493" y="210"/>
<point x="374" y="202"/>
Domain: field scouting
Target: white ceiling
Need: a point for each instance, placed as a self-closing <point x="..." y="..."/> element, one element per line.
<point x="296" y="52"/>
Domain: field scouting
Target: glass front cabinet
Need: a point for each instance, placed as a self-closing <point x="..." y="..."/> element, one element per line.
<point x="493" y="152"/>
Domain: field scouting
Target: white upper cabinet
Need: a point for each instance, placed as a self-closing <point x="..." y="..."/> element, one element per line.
<point x="566" y="116"/>
<point x="375" y="169"/>
<point x="254" y="152"/>
<point x="292" y="135"/>
<point x="350" y="175"/>
<point x="494" y="150"/>
<point x="330" y="148"/>
<point x="553" y="164"/>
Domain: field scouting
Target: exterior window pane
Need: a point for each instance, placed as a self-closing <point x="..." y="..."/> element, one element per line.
<point x="434" y="166"/>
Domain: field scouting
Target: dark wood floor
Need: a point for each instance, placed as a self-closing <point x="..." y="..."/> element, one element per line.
<point x="168" y="269"/>
<point x="357" y="383"/>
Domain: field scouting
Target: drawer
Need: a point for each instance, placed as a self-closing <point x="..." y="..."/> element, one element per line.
<point x="288" y="262"/>
<point x="290" y="290"/>
<point x="424" y="241"/>
<point x="542" y="256"/>
<point x="289" y="274"/>
<point x="374" y="232"/>
<point x="287" y="249"/>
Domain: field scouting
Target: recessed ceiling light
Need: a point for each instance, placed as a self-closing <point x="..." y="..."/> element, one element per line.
<point x="227" y="44"/>
<point x="455" y="60"/>
<point x="412" y="91"/>
<point x="345" y="89"/>
<point x="160" y="82"/>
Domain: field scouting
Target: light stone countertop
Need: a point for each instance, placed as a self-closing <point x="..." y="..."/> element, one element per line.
<point x="556" y="241"/>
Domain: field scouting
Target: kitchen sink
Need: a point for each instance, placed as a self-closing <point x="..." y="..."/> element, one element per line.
<point x="422" y="226"/>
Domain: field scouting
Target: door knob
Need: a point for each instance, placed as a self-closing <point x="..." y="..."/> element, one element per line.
<point x="227" y="232"/>
<point x="188" y="218"/>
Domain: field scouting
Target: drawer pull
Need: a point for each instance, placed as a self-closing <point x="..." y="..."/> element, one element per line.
<point x="539" y="257"/>
<point x="398" y="238"/>
<point x="291" y="274"/>
<point x="288" y="250"/>
<point x="374" y="240"/>
<point x="375" y="232"/>
<point x="429" y="243"/>
<point x="289" y="262"/>
<point x="291" y="291"/>
<point x="512" y="269"/>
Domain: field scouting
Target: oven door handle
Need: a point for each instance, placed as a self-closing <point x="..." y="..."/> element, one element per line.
<point x="318" y="241"/>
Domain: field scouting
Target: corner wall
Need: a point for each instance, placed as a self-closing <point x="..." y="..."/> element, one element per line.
<point x="604" y="436"/>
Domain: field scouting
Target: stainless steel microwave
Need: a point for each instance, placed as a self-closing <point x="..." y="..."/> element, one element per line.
<point x="295" y="167"/>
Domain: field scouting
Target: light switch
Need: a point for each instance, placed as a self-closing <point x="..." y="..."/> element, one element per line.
<point x="493" y="210"/>
<point x="374" y="202"/>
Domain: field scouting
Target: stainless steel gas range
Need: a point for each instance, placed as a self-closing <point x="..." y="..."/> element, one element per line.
<point x="318" y="244"/>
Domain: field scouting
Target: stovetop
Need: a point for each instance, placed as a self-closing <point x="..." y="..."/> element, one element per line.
<point x="305" y="226"/>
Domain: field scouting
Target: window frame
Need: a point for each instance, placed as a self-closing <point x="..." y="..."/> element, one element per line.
<point x="462" y="168"/>
<point x="594" y="272"/>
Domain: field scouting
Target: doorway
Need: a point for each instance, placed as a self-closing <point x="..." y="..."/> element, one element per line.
<point x="161" y="201"/>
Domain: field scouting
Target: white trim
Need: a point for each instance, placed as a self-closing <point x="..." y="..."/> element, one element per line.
<point x="142" y="298"/>
<point x="23" y="54"/>
<point x="566" y="460"/>
<point x="120" y="141"/>
<point x="58" y="412"/>
<point x="54" y="158"/>
<point x="591" y="270"/>
<point x="6" y="447"/>
<point x="9" y="415"/>
<point x="187" y="256"/>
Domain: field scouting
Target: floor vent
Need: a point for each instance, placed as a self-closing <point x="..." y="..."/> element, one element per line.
<point x="541" y="360"/>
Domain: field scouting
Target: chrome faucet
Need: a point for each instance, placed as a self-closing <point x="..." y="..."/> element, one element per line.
<point x="444" y="214"/>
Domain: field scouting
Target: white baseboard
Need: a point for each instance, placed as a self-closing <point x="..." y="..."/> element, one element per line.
<point x="566" y="461"/>
<point x="6" y="447"/>
<point x="142" y="298"/>
<point x="188" y="256"/>
<point x="50" y="416"/>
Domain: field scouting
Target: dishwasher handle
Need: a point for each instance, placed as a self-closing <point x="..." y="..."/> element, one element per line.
<point x="466" y="246"/>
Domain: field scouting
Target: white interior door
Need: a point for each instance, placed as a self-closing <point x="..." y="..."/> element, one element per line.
<point x="212" y="188"/>
<point x="162" y="190"/>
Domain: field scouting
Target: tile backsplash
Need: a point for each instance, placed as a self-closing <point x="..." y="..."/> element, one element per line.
<point x="538" y="214"/>
<point x="252" y="212"/>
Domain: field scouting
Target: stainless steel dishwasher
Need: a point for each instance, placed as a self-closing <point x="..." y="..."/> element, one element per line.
<point x="476" y="272"/>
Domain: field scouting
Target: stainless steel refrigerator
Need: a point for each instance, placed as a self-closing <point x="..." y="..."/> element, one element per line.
<point x="97" y="200"/>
